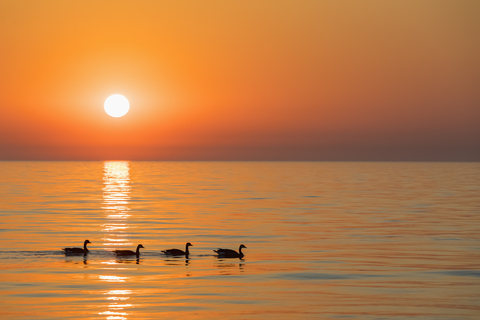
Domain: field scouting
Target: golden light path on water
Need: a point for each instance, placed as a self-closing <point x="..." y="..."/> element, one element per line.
<point x="116" y="197"/>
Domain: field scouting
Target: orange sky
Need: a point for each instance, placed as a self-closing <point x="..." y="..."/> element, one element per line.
<point x="241" y="80"/>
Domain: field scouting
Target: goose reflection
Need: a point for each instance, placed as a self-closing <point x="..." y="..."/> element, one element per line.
<point x="173" y="261"/>
<point x="229" y="268"/>
<point x="71" y="259"/>
<point x="115" y="264"/>
<point x="128" y="260"/>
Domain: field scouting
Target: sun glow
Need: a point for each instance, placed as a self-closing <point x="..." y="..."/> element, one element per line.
<point x="116" y="106"/>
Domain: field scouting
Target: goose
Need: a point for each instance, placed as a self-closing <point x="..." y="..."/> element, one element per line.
<point x="228" y="253"/>
<point x="178" y="252"/>
<point x="77" y="250"/>
<point x="129" y="252"/>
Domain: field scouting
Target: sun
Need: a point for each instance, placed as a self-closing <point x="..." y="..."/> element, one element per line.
<point x="116" y="105"/>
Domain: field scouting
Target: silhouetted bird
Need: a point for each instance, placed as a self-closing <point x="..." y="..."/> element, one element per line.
<point x="228" y="253"/>
<point x="178" y="252"/>
<point x="129" y="252"/>
<point x="77" y="250"/>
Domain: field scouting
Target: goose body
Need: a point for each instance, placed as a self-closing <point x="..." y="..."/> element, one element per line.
<point x="129" y="252"/>
<point x="178" y="252"/>
<point x="229" y="253"/>
<point x="84" y="250"/>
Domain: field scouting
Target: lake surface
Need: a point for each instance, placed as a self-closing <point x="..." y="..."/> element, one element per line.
<point x="324" y="240"/>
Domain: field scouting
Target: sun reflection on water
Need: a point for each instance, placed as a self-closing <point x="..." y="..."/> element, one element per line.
<point x="116" y="306"/>
<point x="116" y="196"/>
<point x="113" y="278"/>
<point x="111" y="315"/>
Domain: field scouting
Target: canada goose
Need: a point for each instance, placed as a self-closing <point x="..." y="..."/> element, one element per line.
<point x="229" y="253"/>
<point x="178" y="252"/>
<point x="77" y="250"/>
<point x="129" y="252"/>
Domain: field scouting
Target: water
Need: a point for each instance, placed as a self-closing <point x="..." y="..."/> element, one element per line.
<point x="324" y="240"/>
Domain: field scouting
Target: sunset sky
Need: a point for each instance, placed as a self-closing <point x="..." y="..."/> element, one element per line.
<point x="241" y="80"/>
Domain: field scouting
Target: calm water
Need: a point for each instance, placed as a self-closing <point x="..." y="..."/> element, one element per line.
<point x="325" y="240"/>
